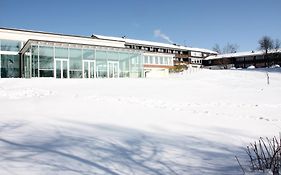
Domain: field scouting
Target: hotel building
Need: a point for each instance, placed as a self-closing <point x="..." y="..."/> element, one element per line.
<point x="27" y="54"/>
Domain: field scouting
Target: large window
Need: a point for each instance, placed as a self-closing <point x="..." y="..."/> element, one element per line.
<point x="34" y="62"/>
<point x="61" y="53"/>
<point x="75" y="63"/>
<point x="101" y="63"/>
<point x="46" y="61"/>
<point x="26" y="64"/>
<point x="9" y="45"/>
<point x="156" y="60"/>
<point x="151" y="59"/>
<point x="88" y="54"/>
<point x="112" y="56"/>
<point x="249" y="58"/>
<point x="259" y="57"/>
<point x="161" y="60"/>
<point x="10" y="66"/>
<point x="124" y="64"/>
<point x="165" y="61"/>
<point x="146" y="60"/>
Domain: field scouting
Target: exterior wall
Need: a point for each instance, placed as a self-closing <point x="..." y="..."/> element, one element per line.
<point x="157" y="64"/>
<point x="244" y="61"/>
<point x="197" y="61"/>
<point x="151" y="72"/>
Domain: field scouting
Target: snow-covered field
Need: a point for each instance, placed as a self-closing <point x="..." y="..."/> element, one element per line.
<point x="185" y="124"/>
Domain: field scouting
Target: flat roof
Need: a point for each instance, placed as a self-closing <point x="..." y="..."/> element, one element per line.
<point x="240" y="54"/>
<point x="43" y="32"/>
<point x="152" y="43"/>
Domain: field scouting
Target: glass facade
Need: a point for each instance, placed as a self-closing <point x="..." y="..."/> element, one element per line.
<point x="46" y="60"/>
<point x="63" y="60"/>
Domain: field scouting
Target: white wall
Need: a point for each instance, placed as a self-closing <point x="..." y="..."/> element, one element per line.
<point x="24" y="36"/>
<point x="156" y="72"/>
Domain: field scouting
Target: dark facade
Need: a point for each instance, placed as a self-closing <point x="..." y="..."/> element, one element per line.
<point x="244" y="61"/>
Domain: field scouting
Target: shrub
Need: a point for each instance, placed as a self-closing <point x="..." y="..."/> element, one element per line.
<point x="264" y="155"/>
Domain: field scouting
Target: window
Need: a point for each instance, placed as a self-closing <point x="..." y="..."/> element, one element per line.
<point x="88" y="54"/>
<point x="151" y="59"/>
<point x="101" y="54"/>
<point x="46" y="58"/>
<point x="10" y="66"/>
<point x="46" y="61"/>
<point x="75" y="63"/>
<point x="34" y="62"/>
<point x="156" y="60"/>
<point x="170" y="60"/>
<point x="9" y="45"/>
<point x="240" y="59"/>
<point x="61" y="52"/>
<point x="112" y="56"/>
<point x="101" y="63"/>
<point x="249" y="58"/>
<point x="146" y="61"/>
<point x="161" y="60"/>
<point x="166" y="60"/>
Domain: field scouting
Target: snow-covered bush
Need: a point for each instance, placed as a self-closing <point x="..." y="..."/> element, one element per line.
<point x="275" y="66"/>
<point x="251" y="67"/>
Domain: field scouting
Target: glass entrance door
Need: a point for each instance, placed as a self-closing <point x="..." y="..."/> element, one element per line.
<point x="89" y="67"/>
<point x="113" y="69"/>
<point x="61" y="68"/>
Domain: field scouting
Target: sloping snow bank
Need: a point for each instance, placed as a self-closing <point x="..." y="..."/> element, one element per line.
<point x="189" y="124"/>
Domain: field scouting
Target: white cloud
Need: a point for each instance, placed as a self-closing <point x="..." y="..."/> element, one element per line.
<point x="158" y="33"/>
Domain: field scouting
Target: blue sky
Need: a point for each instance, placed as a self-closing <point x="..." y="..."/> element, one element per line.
<point x="196" y="23"/>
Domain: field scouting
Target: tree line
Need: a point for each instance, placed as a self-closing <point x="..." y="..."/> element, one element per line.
<point x="269" y="46"/>
<point x="266" y="44"/>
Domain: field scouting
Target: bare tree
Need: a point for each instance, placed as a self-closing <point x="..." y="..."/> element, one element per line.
<point x="216" y="48"/>
<point x="230" y="48"/>
<point x="266" y="44"/>
<point x="277" y="44"/>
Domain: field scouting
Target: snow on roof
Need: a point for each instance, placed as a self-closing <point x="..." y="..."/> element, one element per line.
<point x="239" y="54"/>
<point x="152" y="43"/>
